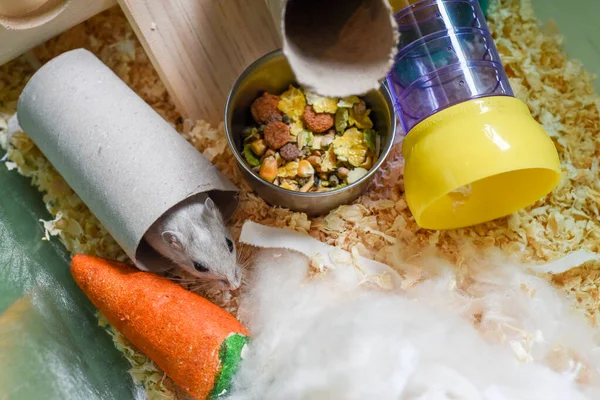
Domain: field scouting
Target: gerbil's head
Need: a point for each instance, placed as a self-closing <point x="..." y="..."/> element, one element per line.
<point x="204" y="247"/>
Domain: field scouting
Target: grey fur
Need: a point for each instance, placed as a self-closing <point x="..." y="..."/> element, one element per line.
<point x="194" y="231"/>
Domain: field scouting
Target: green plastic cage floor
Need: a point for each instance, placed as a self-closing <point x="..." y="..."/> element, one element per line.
<point x="50" y="344"/>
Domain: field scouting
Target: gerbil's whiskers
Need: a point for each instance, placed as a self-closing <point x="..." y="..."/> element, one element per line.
<point x="202" y="286"/>
<point x="177" y="277"/>
<point x="182" y="280"/>
<point x="245" y="257"/>
<point x="242" y="253"/>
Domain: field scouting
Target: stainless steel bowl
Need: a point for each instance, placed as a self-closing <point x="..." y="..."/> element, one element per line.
<point x="272" y="73"/>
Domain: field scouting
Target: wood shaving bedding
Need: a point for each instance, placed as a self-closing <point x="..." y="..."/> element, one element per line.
<point x="558" y="91"/>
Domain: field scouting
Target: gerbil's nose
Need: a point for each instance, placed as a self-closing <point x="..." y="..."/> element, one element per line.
<point x="230" y="284"/>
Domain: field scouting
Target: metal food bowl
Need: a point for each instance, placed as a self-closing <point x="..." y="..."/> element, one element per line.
<point x="272" y="73"/>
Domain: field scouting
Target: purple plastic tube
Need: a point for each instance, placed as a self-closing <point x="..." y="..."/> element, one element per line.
<point x="446" y="56"/>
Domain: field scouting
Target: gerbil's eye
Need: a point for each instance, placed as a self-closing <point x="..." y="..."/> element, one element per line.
<point x="229" y="245"/>
<point x="199" y="267"/>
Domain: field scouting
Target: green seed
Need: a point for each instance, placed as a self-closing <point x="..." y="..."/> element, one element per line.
<point x="247" y="131"/>
<point x="250" y="157"/>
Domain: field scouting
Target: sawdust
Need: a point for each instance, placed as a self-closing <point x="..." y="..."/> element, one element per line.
<point x="558" y="91"/>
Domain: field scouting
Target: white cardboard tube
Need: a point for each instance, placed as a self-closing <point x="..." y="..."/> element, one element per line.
<point x="337" y="47"/>
<point x="126" y="163"/>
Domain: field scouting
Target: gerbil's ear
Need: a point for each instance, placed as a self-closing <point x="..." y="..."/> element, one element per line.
<point x="173" y="239"/>
<point x="210" y="206"/>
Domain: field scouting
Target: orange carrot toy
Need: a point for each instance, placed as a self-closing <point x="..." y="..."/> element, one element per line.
<point x="195" y="342"/>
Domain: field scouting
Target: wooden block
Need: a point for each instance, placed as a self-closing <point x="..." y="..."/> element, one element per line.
<point x="199" y="47"/>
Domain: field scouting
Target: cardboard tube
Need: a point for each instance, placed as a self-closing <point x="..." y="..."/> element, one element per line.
<point x="126" y="163"/>
<point x="338" y="47"/>
<point x="28" y="14"/>
<point x="17" y="8"/>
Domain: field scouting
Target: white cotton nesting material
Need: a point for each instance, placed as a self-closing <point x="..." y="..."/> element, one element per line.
<point x="325" y="338"/>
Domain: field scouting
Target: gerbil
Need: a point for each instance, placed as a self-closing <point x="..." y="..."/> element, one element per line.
<point x="193" y="235"/>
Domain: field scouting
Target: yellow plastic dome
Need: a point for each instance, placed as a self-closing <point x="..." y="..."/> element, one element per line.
<point x="477" y="161"/>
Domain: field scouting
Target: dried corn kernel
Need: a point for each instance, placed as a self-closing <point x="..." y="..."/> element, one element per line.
<point x="350" y="147"/>
<point x="279" y="159"/>
<point x="259" y="147"/>
<point x="305" y="169"/>
<point x="268" y="169"/>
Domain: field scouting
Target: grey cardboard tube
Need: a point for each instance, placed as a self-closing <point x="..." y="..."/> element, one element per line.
<point x="337" y="48"/>
<point x="126" y="163"/>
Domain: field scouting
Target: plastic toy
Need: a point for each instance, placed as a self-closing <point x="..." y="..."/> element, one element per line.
<point x="473" y="151"/>
<point x="397" y="5"/>
<point x="196" y="343"/>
